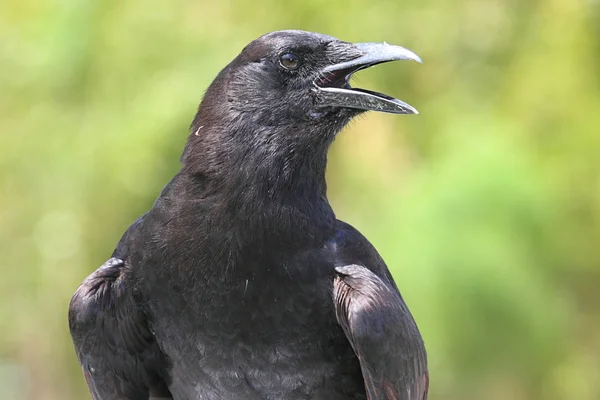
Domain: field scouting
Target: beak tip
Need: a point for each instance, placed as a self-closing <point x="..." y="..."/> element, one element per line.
<point x="413" y="56"/>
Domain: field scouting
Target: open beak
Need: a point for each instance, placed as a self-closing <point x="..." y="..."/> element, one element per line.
<point x="332" y="88"/>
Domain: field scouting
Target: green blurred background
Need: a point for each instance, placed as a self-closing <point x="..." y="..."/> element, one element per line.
<point x="486" y="206"/>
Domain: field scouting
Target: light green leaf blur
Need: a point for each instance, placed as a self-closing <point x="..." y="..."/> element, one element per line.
<point x="486" y="206"/>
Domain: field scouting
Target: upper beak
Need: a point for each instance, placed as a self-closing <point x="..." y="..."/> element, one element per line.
<point x="333" y="90"/>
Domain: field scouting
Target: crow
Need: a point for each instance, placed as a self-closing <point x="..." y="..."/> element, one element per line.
<point x="240" y="283"/>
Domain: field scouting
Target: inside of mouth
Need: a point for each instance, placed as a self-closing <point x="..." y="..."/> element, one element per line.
<point x="336" y="79"/>
<point x="340" y="78"/>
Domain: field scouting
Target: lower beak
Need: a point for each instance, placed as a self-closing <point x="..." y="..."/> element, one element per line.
<point x="333" y="90"/>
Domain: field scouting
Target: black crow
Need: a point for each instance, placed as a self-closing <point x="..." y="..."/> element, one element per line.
<point x="240" y="283"/>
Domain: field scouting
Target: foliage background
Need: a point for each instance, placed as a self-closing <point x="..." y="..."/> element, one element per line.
<point x="486" y="206"/>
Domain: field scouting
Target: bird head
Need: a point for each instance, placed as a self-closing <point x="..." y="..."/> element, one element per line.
<point x="294" y="77"/>
<point x="286" y="95"/>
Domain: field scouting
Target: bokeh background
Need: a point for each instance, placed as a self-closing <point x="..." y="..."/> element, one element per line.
<point x="486" y="206"/>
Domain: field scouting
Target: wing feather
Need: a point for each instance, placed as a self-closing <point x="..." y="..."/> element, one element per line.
<point x="382" y="333"/>
<point x="115" y="347"/>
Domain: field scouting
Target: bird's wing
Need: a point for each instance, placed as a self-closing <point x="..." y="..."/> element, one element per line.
<point x="116" y="349"/>
<point x="383" y="335"/>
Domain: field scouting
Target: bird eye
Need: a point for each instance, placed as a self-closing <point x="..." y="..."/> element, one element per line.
<point x="289" y="61"/>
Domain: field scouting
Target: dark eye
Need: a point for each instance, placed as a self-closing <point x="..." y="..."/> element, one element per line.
<point x="289" y="61"/>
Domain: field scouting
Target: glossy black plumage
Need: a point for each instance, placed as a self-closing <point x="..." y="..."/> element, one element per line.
<point x="240" y="283"/>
